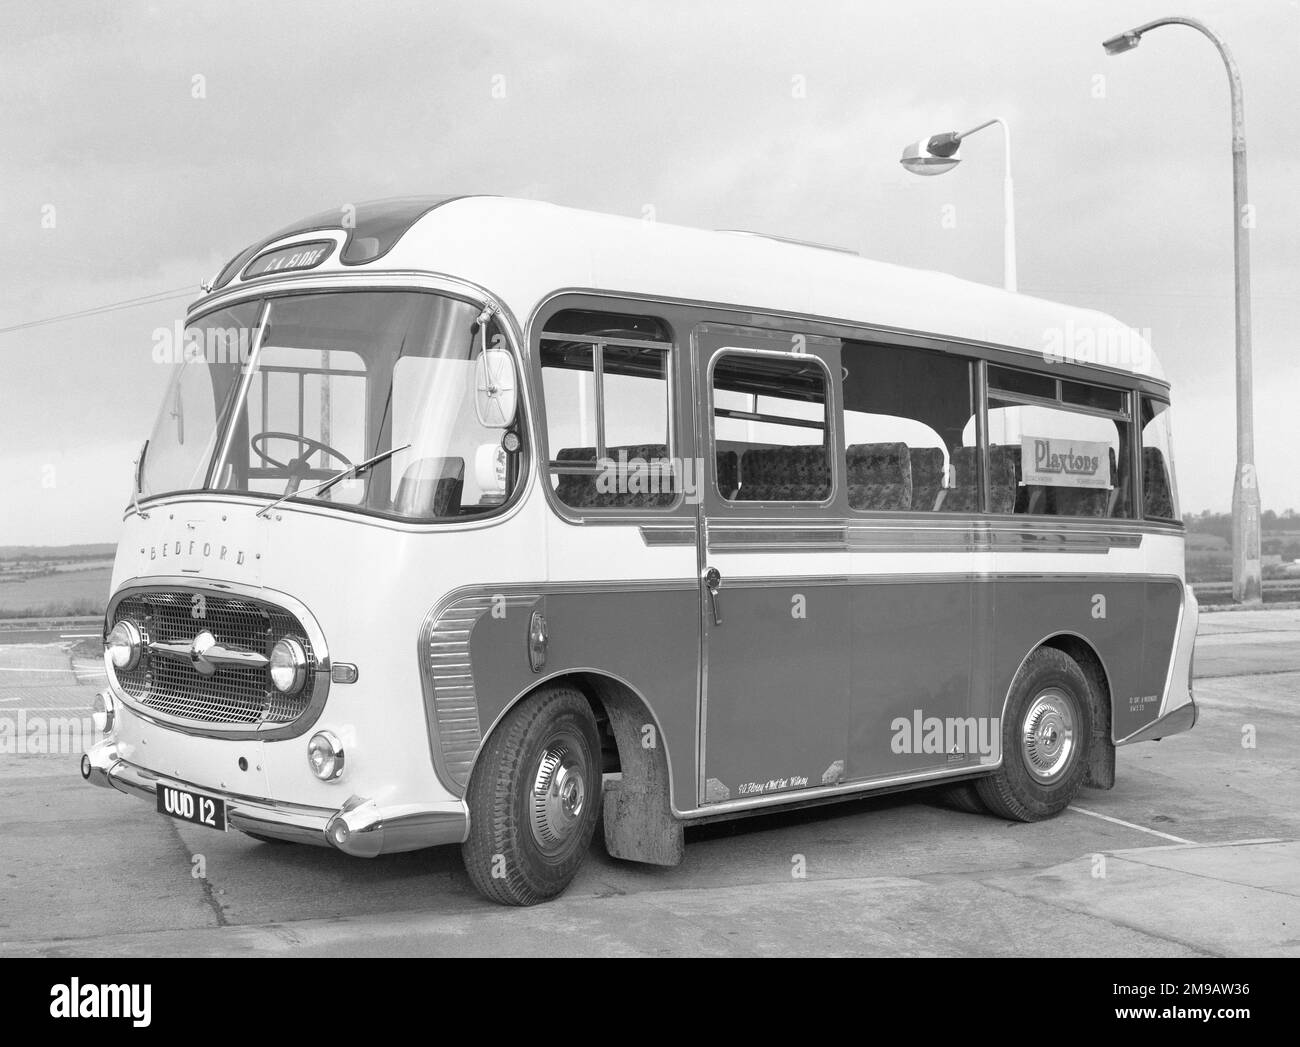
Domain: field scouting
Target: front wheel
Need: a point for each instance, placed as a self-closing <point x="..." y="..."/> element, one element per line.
<point x="534" y="799"/>
<point x="1045" y="736"/>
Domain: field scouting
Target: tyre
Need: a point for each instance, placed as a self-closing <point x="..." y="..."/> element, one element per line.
<point x="534" y="799"/>
<point x="961" y="797"/>
<point x="1045" y="736"/>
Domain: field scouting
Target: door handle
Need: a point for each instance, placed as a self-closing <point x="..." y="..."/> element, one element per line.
<point x="713" y="582"/>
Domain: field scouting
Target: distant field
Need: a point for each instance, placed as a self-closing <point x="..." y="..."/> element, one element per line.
<point x="63" y="593"/>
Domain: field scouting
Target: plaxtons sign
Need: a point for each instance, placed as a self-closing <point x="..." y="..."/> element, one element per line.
<point x="1065" y="463"/>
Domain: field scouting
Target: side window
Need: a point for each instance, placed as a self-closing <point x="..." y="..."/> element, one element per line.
<point x="1065" y="452"/>
<point x="1159" y="494"/>
<point x="909" y="430"/>
<point x="607" y="381"/>
<point x="770" y="430"/>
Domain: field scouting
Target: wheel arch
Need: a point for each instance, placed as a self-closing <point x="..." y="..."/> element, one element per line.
<point x="640" y="822"/>
<point x="1084" y="653"/>
<point x="613" y="701"/>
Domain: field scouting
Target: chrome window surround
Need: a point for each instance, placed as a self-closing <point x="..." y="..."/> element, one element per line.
<point x="552" y="466"/>
<point x="228" y="731"/>
<point x="981" y="352"/>
<point x="390" y="280"/>
<point x="832" y="411"/>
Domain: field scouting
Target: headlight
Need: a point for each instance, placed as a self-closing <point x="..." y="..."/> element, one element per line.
<point x="102" y="711"/>
<point x="124" y="644"/>
<point x="288" y="666"/>
<point x="325" y="754"/>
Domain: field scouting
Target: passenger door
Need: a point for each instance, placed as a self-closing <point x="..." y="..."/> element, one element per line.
<point x="776" y="606"/>
<point x="912" y="489"/>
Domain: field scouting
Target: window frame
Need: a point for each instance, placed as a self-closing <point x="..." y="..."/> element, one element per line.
<point x="831" y="408"/>
<point x="264" y="294"/>
<point x="1123" y="419"/>
<point x="1139" y="445"/>
<point x="975" y="371"/>
<point x="687" y="318"/>
<point x="550" y="466"/>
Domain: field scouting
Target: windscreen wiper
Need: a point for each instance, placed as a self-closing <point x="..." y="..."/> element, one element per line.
<point x="343" y="474"/>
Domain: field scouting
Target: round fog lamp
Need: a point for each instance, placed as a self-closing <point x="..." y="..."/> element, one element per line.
<point x="288" y="666"/>
<point x="325" y="755"/>
<point x="124" y="644"/>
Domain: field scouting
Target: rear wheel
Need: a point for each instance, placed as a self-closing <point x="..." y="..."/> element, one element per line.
<point x="534" y="799"/>
<point x="1045" y="736"/>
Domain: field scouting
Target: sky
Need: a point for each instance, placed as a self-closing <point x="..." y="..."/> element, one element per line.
<point x="147" y="143"/>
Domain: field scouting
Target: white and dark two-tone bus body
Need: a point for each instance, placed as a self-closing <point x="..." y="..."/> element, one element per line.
<point x="471" y="520"/>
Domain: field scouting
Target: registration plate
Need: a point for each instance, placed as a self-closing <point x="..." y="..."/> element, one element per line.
<point x="192" y="807"/>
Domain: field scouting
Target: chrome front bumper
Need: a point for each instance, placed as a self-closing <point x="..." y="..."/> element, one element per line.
<point x="360" y="827"/>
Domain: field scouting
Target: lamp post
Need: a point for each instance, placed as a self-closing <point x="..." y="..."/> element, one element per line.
<point x="938" y="154"/>
<point x="1246" y="575"/>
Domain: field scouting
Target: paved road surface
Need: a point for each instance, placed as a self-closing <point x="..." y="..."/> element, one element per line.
<point x="1193" y="853"/>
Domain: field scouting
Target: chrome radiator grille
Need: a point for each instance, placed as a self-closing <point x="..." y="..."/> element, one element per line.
<point x="233" y="694"/>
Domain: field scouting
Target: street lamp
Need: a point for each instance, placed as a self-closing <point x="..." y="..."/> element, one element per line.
<point x="1246" y="584"/>
<point x="938" y="154"/>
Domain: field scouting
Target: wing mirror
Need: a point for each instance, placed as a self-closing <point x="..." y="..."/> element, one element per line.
<point x="496" y="388"/>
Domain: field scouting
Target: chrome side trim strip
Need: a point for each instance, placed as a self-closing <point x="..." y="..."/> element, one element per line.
<point x="797" y="797"/>
<point x="667" y="535"/>
<point x="961" y="537"/>
<point x="776" y="539"/>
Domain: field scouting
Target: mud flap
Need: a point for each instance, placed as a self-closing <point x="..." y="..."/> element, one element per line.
<point x="638" y="822"/>
<point x="1101" y="763"/>
<point x="638" y="828"/>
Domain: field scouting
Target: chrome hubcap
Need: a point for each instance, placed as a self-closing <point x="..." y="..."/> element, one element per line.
<point x="1047" y="735"/>
<point x="559" y="797"/>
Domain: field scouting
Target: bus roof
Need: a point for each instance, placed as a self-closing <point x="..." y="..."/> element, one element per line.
<point x="523" y="251"/>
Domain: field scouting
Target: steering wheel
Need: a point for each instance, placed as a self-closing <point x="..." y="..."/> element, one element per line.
<point x="311" y="444"/>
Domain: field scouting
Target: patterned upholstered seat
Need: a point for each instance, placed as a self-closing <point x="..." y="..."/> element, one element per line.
<point x="1084" y="501"/>
<point x="927" y="477"/>
<point x="879" y="476"/>
<point x="583" y="490"/>
<point x="728" y="472"/>
<point x="430" y="487"/>
<point x="784" y="474"/>
<point x="1004" y="471"/>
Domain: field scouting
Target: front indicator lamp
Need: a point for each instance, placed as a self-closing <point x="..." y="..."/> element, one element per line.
<point x="325" y="756"/>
